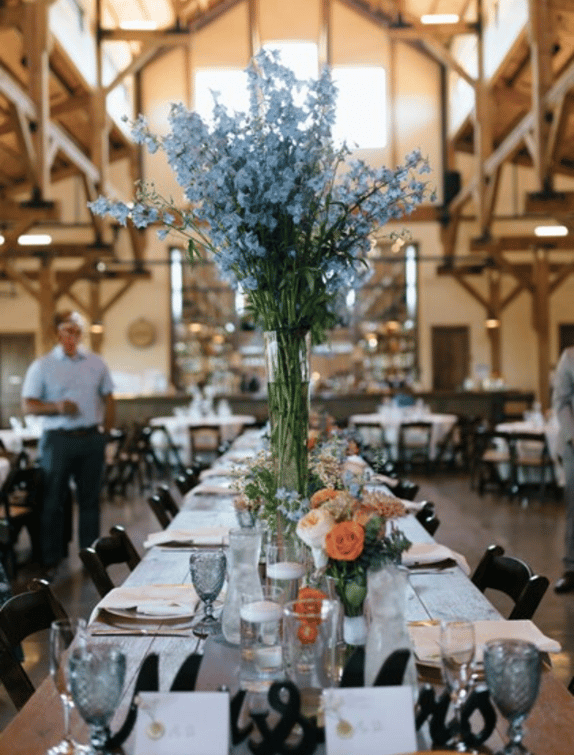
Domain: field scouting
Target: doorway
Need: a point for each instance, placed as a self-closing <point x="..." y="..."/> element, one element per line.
<point x="17" y="352"/>
<point x="565" y="336"/>
<point x="450" y="356"/>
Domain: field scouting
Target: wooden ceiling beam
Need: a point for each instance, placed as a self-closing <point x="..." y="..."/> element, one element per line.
<point x="57" y="250"/>
<point x="137" y="63"/>
<point x="550" y="204"/>
<point x="541" y="42"/>
<point x="444" y="31"/>
<point x="158" y="38"/>
<point x="521" y="243"/>
<point x="15" y="212"/>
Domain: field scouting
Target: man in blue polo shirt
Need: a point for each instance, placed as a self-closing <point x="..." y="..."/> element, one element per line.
<point x="72" y="390"/>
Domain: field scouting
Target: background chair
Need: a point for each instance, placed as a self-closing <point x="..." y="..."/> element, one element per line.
<point x="204" y="442"/>
<point x="414" y="446"/>
<point x="492" y="466"/>
<point x="115" y="548"/>
<point x="428" y="518"/>
<point x="21" y="503"/>
<point x="163" y="505"/>
<point x="20" y="617"/>
<point x="531" y="466"/>
<point x="513" y="577"/>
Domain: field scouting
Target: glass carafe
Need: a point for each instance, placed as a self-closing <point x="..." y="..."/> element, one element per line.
<point x="243" y="578"/>
<point x="387" y="630"/>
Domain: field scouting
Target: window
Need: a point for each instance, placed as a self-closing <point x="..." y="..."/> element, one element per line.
<point x="230" y="83"/>
<point x="361" y="106"/>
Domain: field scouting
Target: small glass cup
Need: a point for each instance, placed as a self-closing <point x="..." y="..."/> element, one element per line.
<point x="310" y="647"/>
<point x="261" y="638"/>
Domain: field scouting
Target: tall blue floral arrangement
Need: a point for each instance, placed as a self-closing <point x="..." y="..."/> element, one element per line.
<point x="284" y="212"/>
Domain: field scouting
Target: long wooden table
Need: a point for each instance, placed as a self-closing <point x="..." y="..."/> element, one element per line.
<point x="550" y="727"/>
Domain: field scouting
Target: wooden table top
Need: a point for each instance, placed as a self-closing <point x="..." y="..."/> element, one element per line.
<point x="448" y="594"/>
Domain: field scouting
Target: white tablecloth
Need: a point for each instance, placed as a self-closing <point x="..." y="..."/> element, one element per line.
<point x="391" y="418"/>
<point x="4" y="469"/>
<point x="13" y="439"/>
<point x="178" y="427"/>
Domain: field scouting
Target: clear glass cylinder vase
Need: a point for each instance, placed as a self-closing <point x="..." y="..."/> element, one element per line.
<point x="287" y="365"/>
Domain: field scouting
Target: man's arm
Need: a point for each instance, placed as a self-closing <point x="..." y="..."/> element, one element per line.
<point x="109" y="412"/>
<point x="36" y="406"/>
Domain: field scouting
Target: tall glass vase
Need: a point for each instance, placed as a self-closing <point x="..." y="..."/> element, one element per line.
<point x="287" y="365"/>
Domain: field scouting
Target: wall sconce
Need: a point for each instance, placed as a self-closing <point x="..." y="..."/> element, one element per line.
<point x="492" y="322"/>
<point x="96" y="328"/>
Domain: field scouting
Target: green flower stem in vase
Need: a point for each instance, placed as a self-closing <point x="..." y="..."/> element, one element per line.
<point x="287" y="364"/>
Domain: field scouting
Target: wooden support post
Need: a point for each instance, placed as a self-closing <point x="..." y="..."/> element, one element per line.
<point x="37" y="57"/>
<point x="47" y="304"/>
<point x="541" y="322"/>
<point x="100" y="136"/>
<point x="494" y="313"/>
<point x="325" y="35"/>
<point x="95" y="310"/>
<point x="482" y="133"/>
<point x="541" y="41"/>
<point x="254" y="38"/>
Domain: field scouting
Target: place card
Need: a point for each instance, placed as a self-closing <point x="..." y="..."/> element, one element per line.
<point x="369" y="720"/>
<point x="177" y="723"/>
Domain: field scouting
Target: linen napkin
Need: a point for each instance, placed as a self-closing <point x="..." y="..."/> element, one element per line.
<point x="200" y="536"/>
<point x="150" y="600"/>
<point x="425" y="637"/>
<point x="215" y="486"/>
<point x="427" y="554"/>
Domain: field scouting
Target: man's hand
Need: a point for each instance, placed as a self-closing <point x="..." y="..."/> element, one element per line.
<point x="66" y="407"/>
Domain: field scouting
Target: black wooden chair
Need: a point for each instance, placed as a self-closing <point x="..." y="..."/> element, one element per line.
<point x="115" y="548"/>
<point x="531" y="466"/>
<point x="513" y="577"/>
<point x="428" y="518"/>
<point x="20" y="508"/>
<point x="20" y="617"/>
<point x="205" y="441"/>
<point x="492" y="467"/>
<point x="163" y="505"/>
<point x="414" y="446"/>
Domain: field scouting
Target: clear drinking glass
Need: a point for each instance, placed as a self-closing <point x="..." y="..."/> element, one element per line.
<point x="207" y="568"/>
<point x="457" y="646"/>
<point x="512" y="671"/>
<point x="96" y="678"/>
<point x="62" y="632"/>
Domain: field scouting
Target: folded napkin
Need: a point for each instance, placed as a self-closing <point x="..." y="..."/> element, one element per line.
<point x="220" y="486"/>
<point x="198" y="536"/>
<point x="425" y="637"/>
<point x="221" y="470"/>
<point x="150" y="600"/>
<point x="426" y="554"/>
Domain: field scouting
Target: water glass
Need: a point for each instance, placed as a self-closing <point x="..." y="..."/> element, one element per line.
<point x="310" y="642"/>
<point x="96" y="676"/>
<point x="286" y="565"/>
<point x="512" y="670"/>
<point x="62" y="633"/>
<point x="207" y="567"/>
<point x="261" y="635"/>
<point x="457" y="646"/>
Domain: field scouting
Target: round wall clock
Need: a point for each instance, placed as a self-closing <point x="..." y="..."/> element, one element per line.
<point x="141" y="333"/>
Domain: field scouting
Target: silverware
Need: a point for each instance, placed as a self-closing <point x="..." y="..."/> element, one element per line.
<point x="141" y="632"/>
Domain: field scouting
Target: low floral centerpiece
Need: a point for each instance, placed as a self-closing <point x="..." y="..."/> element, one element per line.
<point x="286" y="216"/>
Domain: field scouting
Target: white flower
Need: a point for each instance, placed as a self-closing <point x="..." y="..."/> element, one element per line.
<point x="313" y="529"/>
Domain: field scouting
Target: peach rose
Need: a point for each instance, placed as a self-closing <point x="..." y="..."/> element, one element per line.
<point x="345" y="541"/>
<point x="312" y="529"/>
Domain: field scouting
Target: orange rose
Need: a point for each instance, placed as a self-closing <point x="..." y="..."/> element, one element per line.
<point x="307" y="633"/>
<point x="325" y="494"/>
<point x="310" y="603"/>
<point x="345" y="541"/>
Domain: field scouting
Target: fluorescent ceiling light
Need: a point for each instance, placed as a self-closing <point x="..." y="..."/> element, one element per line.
<point x="551" y="230"/>
<point x="440" y="18"/>
<point x="139" y="25"/>
<point x="34" y="239"/>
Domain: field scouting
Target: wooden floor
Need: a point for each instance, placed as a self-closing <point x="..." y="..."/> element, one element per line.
<point x="469" y="523"/>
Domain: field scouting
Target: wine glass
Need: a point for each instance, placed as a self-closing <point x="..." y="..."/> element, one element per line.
<point x="96" y="677"/>
<point x="207" y="567"/>
<point x="512" y="671"/>
<point x="457" y="653"/>
<point x="62" y="632"/>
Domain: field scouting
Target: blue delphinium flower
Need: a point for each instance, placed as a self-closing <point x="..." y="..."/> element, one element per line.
<point x="283" y="211"/>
